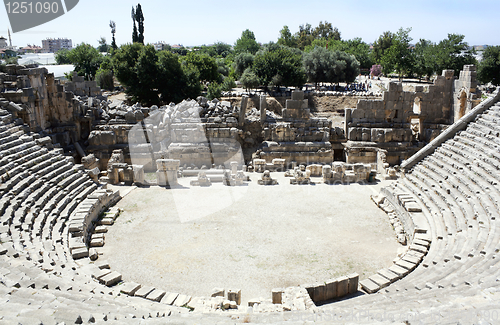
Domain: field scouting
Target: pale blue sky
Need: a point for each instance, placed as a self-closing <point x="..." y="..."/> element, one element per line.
<point x="204" y="22"/>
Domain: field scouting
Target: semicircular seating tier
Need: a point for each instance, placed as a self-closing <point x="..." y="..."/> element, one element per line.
<point x="48" y="206"/>
<point x="455" y="181"/>
<point x="43" y="194"/>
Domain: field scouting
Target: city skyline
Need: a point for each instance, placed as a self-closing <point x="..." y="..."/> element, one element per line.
<point x="192" y="23"/>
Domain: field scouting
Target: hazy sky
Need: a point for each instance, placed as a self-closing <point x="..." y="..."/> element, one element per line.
<point x="191" y="22"/>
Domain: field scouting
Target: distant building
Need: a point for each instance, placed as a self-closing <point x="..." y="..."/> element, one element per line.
<point x="3" y="42"/>
<point x="52" y="45"/>
<point x="160" y="46"/>
<point x="30" y="49"/>
<point x="6" y="53"/>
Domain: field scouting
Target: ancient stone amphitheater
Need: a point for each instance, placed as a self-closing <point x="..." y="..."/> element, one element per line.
<point x="447" y="199"/>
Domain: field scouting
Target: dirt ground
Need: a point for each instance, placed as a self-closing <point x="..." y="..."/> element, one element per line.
<point x="255" y="238"/>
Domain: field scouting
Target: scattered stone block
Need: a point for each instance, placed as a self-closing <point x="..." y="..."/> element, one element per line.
<point x="277" y="295"/>
<point x="169" y="298"/>
<point x="369" y="286"/>
<point x="107" y="221"/>
<point x="155" y="295"/>
<point x="234" y="295"/>
<point x="182" y="300"/>
<point x="266" y="179"/>
<point x="253" y="302"/>
<point x="129" y="288"/>
<point x="389" y="275"/>
<point x="342" y="286"/>
<point x="97" y="242"/>
<point x="218" y="292"/>
<point x="380" y="280"/>
<point x="80" y="253"/>
<point x="144" y="291"/>
<point x="111" y="279"/>
<point x="93" y="255"/>
<point x="331" y="289"/>
<point x="353" y="283"/>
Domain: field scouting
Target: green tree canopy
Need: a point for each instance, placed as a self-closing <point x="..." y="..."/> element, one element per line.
<point x="356" y="47"/>
<point x="246" y="43"/>
<point x="279" y="65"/>
<point x="322" y="65"/>
<point x="206" y="65"/>
<point x="174" y="82"/>
<point x="425" y="62"/>
<point x="381" y="45"/>
<point x="286" y="38"/>
<point x="103" y="47"/>
<point x="249" y="79"/>
<point x="86" y="60"/>
<point x="150" y="76"/>
<point x="138" y="29"/>
<point x="453" y="53"/>
<point x="62" y="57"/>
<point x="304" y="36"/>
<point x="307" y="35"/>
<point x="112" y="25"/>
<point x="399" y="56"/>
<point x="243" y="61"/>
<point x="326" y="31"/>
<point x="489" y="67"/>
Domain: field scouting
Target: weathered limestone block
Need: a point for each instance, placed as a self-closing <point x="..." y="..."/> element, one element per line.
<point x="342" y="286"/>
<point x="353" y="283"/>
<point x="202" y="180"/>
<point x="243" y="108"/>
<point x="330" y="289"/>
<point x="218" y="292"/>
<point x="378" y="135"/>
<point x="266" y="179"/>
<point x="301" y="176"/>
<point x="315" y="170"/>
<point x="327" y="173"/>
<point x="111" y="279"/>
<point x="234" y="167"/>
<point x="259" y="165"/>
<point x="93" y="173"/>
<point x="117" y="157"/>
<point x="279" y="164"/>
<point x="277" y="295"/>
<point x="90" y="161"/>
<point x="138" y="171"/>
<point x="167" y="171"/>
<point x="102" y="138"/>
<point x="129" y="288"/>
<point x="234" y="295"/>
<point x="263" y="108"/>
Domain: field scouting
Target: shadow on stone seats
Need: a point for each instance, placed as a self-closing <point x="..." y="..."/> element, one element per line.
<point x="353" y="295"/>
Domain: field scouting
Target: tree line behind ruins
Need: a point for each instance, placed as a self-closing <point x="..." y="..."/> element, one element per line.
<point x="315" y="55"/>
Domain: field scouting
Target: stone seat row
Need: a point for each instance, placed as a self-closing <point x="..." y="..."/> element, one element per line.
<point x="40" y="191"/>
<point x="418" y="245"/>
<point x="457" y="187"/>
<point x="458" y="244"/>
<point x="446" y="188"/>
<point x="433" y="252"/>
<point x="51" y="211"/>
<point x="25" y="286"/>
